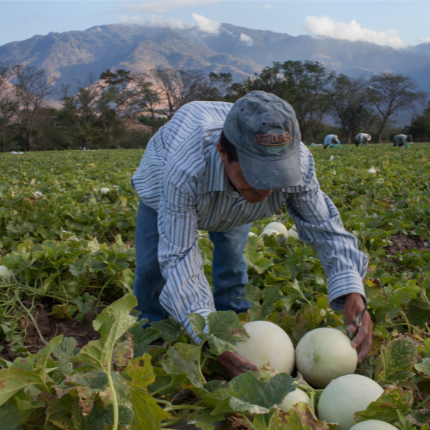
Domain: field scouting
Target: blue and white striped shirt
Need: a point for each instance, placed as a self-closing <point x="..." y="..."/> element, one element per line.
<point x="182" y="177"/>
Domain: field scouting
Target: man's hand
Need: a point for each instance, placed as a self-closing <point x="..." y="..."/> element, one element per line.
<point x="233" y="364"/>
<point x="354" y="306"/>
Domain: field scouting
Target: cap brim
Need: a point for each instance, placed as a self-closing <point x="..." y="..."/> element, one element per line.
<point x="270" y="174"/>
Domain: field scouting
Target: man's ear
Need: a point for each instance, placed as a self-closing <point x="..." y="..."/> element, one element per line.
<point x="222" y="154"/>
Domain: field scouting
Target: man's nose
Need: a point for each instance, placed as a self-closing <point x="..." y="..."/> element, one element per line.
<point x="264" y="193"/>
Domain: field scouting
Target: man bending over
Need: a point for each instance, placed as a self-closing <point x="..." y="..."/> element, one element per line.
<point x="218" y="167"/>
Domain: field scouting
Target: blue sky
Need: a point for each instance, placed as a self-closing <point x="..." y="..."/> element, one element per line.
<point x="393" y="23"/>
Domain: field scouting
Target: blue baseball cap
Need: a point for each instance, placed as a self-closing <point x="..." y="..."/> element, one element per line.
<point x="266" y="134"/>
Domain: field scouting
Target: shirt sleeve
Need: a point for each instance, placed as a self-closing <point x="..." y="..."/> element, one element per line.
<point x="186" y="290"/>
<point x="318" y="222"/>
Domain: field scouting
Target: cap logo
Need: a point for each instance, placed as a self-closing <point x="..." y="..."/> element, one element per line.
<point x="273" y="139"/>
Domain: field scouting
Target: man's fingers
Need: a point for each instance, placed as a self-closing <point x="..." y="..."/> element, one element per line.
<point x="229" y="368"/>
<point x="239" y="361"/>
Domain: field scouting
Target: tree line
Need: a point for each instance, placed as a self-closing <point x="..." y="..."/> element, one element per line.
<point x="100" y="113"/>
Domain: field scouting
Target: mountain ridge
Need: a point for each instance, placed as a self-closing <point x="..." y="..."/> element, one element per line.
<point x="70" y="56"/>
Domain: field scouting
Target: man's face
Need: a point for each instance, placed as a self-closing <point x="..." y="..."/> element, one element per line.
<point x="235" y="174"/>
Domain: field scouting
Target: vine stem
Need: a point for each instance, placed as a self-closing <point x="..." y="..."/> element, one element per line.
<point x="249" y="422"/>
<point x="407" y="321"/>
<point x="199" y="365"/>
<point x="178" y="407"/>
<point x="112" y="390"/>
<point x="423" y="402"/>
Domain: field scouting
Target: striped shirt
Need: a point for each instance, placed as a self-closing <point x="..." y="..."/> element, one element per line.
<point x="182" y="177"/>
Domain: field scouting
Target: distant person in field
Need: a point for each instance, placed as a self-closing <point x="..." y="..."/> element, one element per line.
<point x="218" y="167"/>
<point x="402" y="139"/>
<point x="362" y="139"/>
<point x="331" y="140"/>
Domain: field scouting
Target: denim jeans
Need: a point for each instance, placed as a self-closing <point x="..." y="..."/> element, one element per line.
<point x="229" y="267"/>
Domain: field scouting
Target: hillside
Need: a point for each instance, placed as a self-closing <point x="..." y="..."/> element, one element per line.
<point x="241" y="51"/>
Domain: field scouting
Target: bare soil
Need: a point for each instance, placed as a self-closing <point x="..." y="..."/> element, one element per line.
<point x="51" y="327"/>
<point x="403" y="243"/>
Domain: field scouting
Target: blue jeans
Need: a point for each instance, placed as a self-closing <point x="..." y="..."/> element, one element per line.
<point x="229" y="267"/>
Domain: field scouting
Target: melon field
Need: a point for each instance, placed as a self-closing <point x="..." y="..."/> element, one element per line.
<point x="73" y="354"/>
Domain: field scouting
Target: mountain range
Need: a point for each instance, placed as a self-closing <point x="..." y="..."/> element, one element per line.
<point x="70" y="56"/>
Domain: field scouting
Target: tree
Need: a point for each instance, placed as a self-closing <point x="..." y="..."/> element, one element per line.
<point x="146" y="97"/>
<point x="303" y="84"/>
<point x="420" y="126"/>
<point x="32" y="87"/>
<point x="350" y="105"/>
<point x="8" y="106"/>
<point x="219" y="84"/>
<point x="179" y="87"/>
<point x="8" y="110"/>
<point x="391" y="93"/>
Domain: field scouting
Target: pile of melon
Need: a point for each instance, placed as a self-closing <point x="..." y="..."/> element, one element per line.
<point x="325" y="359"/>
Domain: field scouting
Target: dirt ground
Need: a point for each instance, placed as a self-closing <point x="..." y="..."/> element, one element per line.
<point x="51" y="327"/>
<point x="403" y="243"/>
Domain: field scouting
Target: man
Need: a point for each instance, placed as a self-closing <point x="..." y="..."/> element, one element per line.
<point x="218" y="167"/>
<point x="402" y="139"/>
<point x="362" y="138"/>
<point x="331" y="140"/>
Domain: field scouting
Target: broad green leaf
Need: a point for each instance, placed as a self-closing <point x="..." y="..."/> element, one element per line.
<point x="198" y="324"/>
<point x="64" y="311"/>
<point x="63" y="352"/>
<point x="385" y="408"/>
<point x="396" y="361"/>
<point x="44" y="354"/>
<point x="10" y="417"/>
<point x="424" y="351"/>
<point x="180" y="362"/>
<point x="147" y="414"/>
<point x="248" y="394"/>
<point x="310" y="320"/>
<point x="141" y="372"/>
<point x="424" y="367"/>
<point x="224" y="332"/>
<point x="205" y="420"/>
<point x="293" y="292"/>
<point x="256" y="259"/>
<point x="169" y="329"/>
<point x="115" y="320"/>
<point x="142" y="337"/>
<point x="418" y="312"/>
<point x="13" y="380"/>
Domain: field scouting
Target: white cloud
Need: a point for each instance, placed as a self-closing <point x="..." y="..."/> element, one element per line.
<point x="207" y="25"/>
<point x="247" y="40"/>
<point x="160" y="6"/>
<point x="269" y="6"/>
<point x="154" y="21"/>
<point x="424" y="39"/>
<point x="325" y="26"/>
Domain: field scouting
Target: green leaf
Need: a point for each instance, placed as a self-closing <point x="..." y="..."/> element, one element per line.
<point x="396" y="361"/>
<point x="10" y="417"/>
<point x="169" y="329"/>
<point x="248" y="394"/>
<point x="418" y="312"/>
<point x="424" y="351"/>
<point x="224" y="331"/>
<point x="141" y="372"/>
<point x="424" y="367"/>
<point x="293" y="292"/>
<point x="64" y="352"/>
<point x="256" y="259"/>
<point x="122" y="353"/>
<point x="147" y="414"/>
<point x="385" y="407"/>
<point x="115" y="320"/>
<point x="198" y="323"/>
<point x="112" y="323"/>
<point x="63" y="312"/>
<point x="13" y="380"/>
<point x="85" y="302"/>
<point x="143" y="338"/>
<point x="310" y="320"/>
<point x="179" y="361"/>
<point x="204" y="419"/>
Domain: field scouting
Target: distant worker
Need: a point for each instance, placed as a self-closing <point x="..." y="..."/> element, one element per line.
<point x="402" y="139"/>
<point x="331" y="140"/>
<point x="362" y="138"/>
